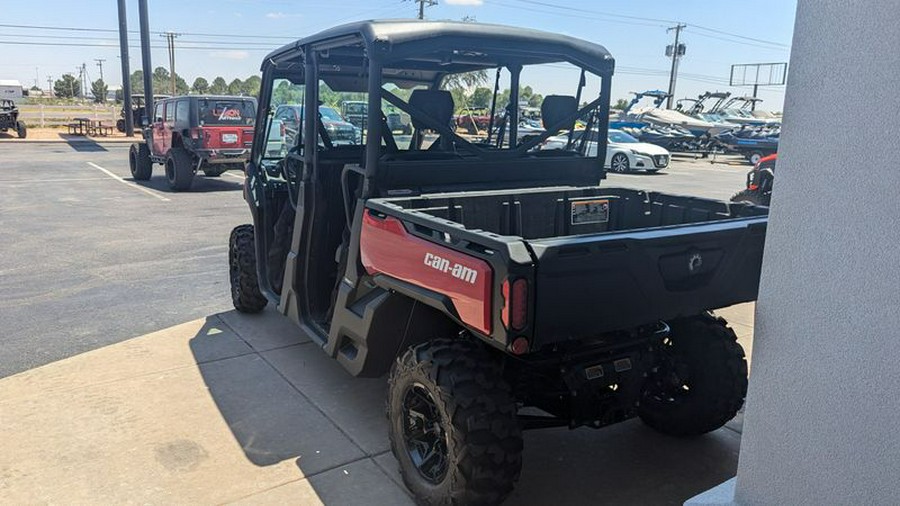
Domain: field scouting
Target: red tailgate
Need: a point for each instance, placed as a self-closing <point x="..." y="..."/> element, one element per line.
<point x="387" y="248"/>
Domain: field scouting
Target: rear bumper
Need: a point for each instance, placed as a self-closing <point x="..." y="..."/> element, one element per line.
<point x="216" y="156"/>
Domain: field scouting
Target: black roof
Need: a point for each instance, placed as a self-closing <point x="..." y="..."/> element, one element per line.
<point x="452" y="46"/>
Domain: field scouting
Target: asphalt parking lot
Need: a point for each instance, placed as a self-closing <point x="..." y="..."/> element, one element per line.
<point x="91" y="258"/>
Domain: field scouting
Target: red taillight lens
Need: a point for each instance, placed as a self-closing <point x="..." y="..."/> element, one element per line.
<point x="515" y="308"/>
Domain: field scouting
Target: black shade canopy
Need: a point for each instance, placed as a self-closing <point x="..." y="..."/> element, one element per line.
<point x="415" y="52"/>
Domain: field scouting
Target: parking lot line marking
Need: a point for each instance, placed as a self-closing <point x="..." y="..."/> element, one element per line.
<point x="62" y="179"/>
<point x="234" y="175"/>
<point x="128" y="183"/>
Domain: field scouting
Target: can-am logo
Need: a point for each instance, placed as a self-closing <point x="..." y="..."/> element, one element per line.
<point x="458" y="271"/>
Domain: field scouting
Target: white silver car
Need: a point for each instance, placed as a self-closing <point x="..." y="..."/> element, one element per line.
<point x="624" y="152"/>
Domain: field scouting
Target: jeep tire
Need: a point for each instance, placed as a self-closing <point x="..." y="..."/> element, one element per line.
<point x="750" y="196"/>
<point x="453" y="425"/>
<point x="179" y="169"/>
<point x="700" y="381"/>
<point x="245" y="293"/>
<point x="139" y="161"/>
<point x="21" y="130"/>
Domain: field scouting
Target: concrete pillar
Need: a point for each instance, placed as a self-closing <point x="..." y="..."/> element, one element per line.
<point x="821" y="425"/>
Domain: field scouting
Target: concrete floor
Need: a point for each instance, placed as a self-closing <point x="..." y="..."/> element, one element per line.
<point x="244" y="408"/>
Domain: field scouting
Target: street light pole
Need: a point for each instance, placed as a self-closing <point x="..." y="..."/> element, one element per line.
<point x="126" y="70"/>
<point x="145" y="57"/>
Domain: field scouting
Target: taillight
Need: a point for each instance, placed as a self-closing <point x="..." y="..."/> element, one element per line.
<point x="515" y="308"/>
<point x="196" y="134"/>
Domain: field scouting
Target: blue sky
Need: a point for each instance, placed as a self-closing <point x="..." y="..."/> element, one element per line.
<point x="719" y="33"/>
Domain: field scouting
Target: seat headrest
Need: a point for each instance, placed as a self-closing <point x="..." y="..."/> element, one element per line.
<point x="556" y="108"/>
<point x="437" y="104"/>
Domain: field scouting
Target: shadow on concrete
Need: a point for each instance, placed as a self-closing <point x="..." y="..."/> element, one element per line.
<point x="201" y="184"/>
<point x="82" y="144"/>
<point x="282" y="402"/>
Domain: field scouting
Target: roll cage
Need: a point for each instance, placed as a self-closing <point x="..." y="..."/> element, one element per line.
<point x="366" y="57"/>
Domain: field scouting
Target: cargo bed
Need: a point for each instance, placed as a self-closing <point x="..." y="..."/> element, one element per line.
<point x="597" y="259"/>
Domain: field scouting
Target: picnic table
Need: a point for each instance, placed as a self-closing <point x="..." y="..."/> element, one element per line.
<point x="87" y="126"/>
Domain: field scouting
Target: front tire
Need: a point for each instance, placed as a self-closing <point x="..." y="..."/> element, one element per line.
<point x="21" y="130"/>
<point x="619" y="163"/>
<point x="179" y="169"/>
<point x="453" y="425"/>
<point x="245" y="293"/>
<point x="139" y="161"/>
<point x="754" y="157"/>
<point x="700" y="381"/>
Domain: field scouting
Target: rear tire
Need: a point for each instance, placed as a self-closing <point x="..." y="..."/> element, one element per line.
<point x="21" y="130"/>
<point x="754" y="157"/>
<point x="453" y="425"/>
<point x="179" y="169"/>
<point x="139" y="161"/>
<point x="120" y="125"/>
<point x="245" y="293"/>
<point x="751" y="197"/>
<point x="699" y="383"/>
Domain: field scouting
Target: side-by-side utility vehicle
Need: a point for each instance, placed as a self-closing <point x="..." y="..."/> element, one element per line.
<point x="501" y="286"/>
<point x="9" y="118"/>
<point x="196" y="132"/>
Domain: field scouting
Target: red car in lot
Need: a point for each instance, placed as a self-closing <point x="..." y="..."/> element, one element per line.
<point x="211" y="134"/>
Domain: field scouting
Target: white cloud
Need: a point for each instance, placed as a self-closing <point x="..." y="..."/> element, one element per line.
<point x="235" y="54"/>
<point x="276" y="15"/>
<point x="464" y="2"/>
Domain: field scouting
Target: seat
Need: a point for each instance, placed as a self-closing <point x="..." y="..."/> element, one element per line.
<point x="556" y="108"/>
<point x="437" y="105"/>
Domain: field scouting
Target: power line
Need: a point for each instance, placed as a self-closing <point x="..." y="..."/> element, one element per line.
<point x="110" y="46"/>
<point x="109" y="30"/>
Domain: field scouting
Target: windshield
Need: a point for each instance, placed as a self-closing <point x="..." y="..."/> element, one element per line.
<point x="621" y="137"/>
<point x="330" y="114"/>
<point x="226" y="112"/>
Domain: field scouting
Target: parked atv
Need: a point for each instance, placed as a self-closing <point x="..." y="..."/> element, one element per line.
<point x="193" y="133"/>
<point x="488" y="277"/>
<point x="9" y="118"/>
<point x="759" y="183"/>
<point x="136" y="111"/>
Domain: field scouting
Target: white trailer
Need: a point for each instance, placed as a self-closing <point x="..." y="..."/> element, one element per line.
<point x="11" y="89"/>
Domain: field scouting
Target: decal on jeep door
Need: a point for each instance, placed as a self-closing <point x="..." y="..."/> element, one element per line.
<point x="386" y="247"/>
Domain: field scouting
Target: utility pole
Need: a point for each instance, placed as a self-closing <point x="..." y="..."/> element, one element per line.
<point x="100" y="64"/>
<point x="170" y="40"/>
<point x="145" y="58"/>
<point x="677" y="51"/>
<point x="423" y="4"/>
<point x="50" y="85"/>
<point x="126" y="69"/>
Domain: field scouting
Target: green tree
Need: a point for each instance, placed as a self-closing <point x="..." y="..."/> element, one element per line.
<point x="465" y="80"/>
<point x="200" y="86"/>
<point x="137" y="82"/>
<point x="67" y="87"/>
<point x="251" y="86"/>
<point x="218" y="86"/>
<point x="481" y="97"/>
<point x="235" y="87"/>
<point x="535" y="100"/>
<point x="99" y="89"/>
<point x="621" y="104"/>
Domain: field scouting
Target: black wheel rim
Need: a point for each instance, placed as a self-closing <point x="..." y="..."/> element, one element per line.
<point x="671" y="381"/>
<point x="424" y="434"/>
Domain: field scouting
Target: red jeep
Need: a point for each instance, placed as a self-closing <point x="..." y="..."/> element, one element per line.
<point x="208" y="133"/>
